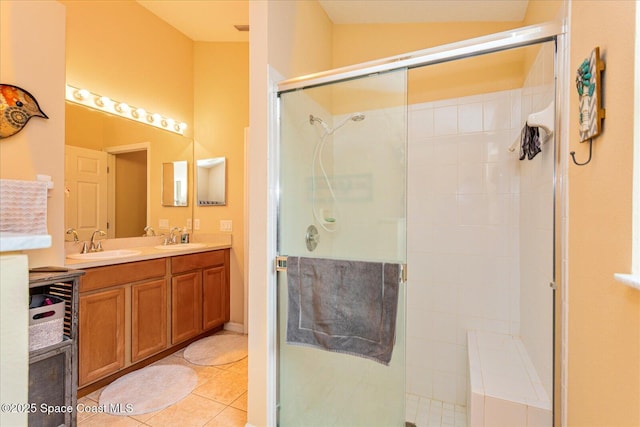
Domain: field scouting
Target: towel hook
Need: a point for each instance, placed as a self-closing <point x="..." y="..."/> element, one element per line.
<point x="573" y="154"/>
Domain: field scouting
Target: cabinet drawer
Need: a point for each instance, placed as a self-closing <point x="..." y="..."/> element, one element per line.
<point x="190" y="262"/>
<point x="112" y="275"/>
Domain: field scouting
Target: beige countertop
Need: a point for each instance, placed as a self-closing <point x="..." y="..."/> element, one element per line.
<point x="145" y="248"/>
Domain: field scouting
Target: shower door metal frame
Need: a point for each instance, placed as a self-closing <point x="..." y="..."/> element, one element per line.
<point x="519" y="37"/>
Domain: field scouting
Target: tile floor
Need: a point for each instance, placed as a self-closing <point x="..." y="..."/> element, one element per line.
<point x="219" y="400"/>
<point x="425" y="412"/>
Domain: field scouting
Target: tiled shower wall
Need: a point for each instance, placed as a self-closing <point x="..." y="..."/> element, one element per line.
<point x="480" y="233"/>
<point x="463" y="238"/>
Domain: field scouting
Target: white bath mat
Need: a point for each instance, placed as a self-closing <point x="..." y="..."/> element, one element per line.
<point x="217" y="350"/>
<point x="149" y="389"/>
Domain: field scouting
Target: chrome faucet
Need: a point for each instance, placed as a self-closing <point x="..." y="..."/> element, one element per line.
<point x="149" y="231"/>
<point x="93" y="247"/>
<point x="74" y="232"/>
<point x="173" y="238"/>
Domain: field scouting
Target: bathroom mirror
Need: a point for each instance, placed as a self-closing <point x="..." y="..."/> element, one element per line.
<point x="121" y="215"/>
<point x="175" y="183"/>
<point x="211" y="182"/>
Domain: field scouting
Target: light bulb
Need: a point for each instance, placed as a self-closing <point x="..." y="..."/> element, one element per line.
<point x="138" y="112"/>
<point x="122" y="108"/>
<point x="81" y="94"/>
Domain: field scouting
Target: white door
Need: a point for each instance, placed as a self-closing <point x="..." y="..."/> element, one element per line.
<point x="86" y="184"/>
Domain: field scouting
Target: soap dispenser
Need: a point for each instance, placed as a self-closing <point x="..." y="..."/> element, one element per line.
<point x="184" y="238"/>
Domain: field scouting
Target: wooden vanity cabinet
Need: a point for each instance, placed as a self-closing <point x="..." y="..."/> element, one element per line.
<point x="101" y="341"/>
<point x="123" y="317"/>
<point x="186" y="306"/>
<point x="199" y="293"/>
<point x="133" y="312"/>
<point x="148" y="319"/>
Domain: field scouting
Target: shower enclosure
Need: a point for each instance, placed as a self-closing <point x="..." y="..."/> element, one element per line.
<point x="420" y="163"/>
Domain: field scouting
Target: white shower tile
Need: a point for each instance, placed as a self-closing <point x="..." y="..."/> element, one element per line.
<point x="471" y="178"/>
<point x="473" y="209"/>
<point x="444" y="360"/>
<point x="444" y="386"/>
<point x="470" y="118"/>
<point x="496" y="144"/>
<point x="517" y="120"/>
<point x="470" y="148"/>
<point x="497" y="115"/>
<point x="445" y="268"/>
<point x="444" y="209"/>
<point x="421" y="124"/>
<point x="444" y="330"/>
<point x="445" y="120"/>
<point x="496" y="178"/>
<point x="445" y="150"/>
<point x="419" y="295"/>
<point x="419" y="381"/>
<point x="419" y="325"/>
<point x="443" y="179"/>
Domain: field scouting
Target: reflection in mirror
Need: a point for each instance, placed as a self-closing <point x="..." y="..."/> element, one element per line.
<point x="100" y="134"/>
<point x="174" y="183"/>
<point x="210" y="175"/>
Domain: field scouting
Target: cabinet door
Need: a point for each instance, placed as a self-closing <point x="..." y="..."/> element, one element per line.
<point x="148" y="319"/>
<point x="186" y="306"/>
<point x="101" y="335"/>
<point x="213" y="297"/>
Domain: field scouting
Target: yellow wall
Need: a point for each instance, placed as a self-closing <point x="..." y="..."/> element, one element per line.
<point x="27" y="61"/>
<point x="604" y="316"/>
<point x="120" y="49"/>
<point x="288" y="38"/>
<point x="221" y="116"/>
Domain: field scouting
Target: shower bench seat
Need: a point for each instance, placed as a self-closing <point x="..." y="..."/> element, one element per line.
<point x="504" y="387"/>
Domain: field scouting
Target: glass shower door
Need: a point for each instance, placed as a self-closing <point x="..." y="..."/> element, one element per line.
<point x="342" y="198"/>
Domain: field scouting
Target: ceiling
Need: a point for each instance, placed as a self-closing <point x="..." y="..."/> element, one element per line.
<point x="214" y="20"/>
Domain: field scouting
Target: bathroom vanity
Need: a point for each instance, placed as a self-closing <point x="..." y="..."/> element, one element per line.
<point x="135" y="310"/>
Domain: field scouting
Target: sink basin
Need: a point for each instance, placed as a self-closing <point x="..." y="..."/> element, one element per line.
<point x="181" y="246"/>
<point x="116" y="253"/>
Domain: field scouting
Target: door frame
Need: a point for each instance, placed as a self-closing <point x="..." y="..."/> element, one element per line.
<point x="112" y="152"/>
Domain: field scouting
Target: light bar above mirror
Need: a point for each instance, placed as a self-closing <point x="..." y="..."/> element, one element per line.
<point x="103" y="103"/>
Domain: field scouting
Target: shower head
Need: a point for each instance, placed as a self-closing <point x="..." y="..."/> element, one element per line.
<point x="313" y="119"/>
<point x="356" y="117"/>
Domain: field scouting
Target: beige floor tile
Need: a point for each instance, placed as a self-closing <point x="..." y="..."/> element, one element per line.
<point x="106" y="420"/>
<point x="95" y="396"/>
<point x="230" y="417"/>
<point x="241" y="366"/>
<point x="240" y="403"/>
<point x="223" y="388"/>
<point x="83" y="407"/>
<point x="192" y="411"/>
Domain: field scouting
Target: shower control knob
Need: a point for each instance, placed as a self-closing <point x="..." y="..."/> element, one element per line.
<point x="312" y="237"/>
